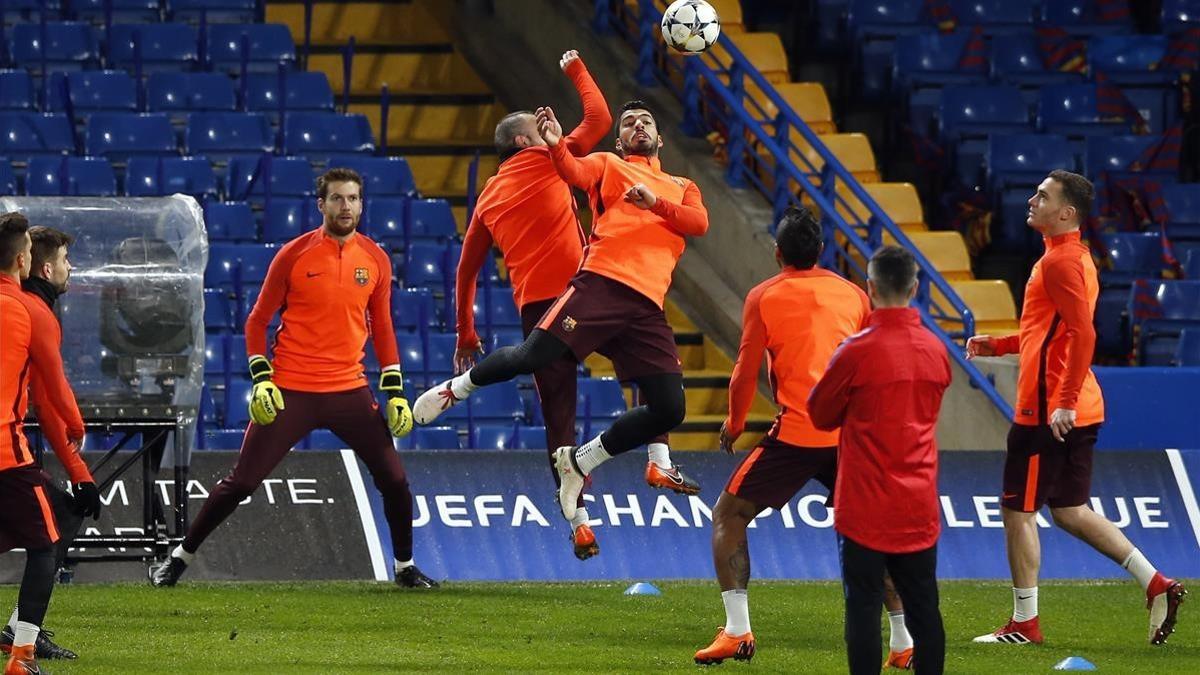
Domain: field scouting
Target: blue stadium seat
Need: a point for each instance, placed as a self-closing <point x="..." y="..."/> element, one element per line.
<point x="385" y="218"/>
<point x="26" y="134"/>
<point x="432" y="438"/>
<point x="975" y="111"/>
<point x="119" y="136"/>
<point x="1070" y="109"/>
<point x="229" y="221"/>
<point x="1116" y="154"/>
<point x="69" y="45"/>
<point x="514" y="436"/>
<point x="320" y="135"/>
<point x="222" y="136"/>
<point x="15" y="11"/>
<point x="218" y="314"/>
<point x="382" y="176"/>
<point x="223" y="439"/>
<point x="494" y="308"/>
<point x="306" y="91"/>
<point x="599" y="397"/>
<point x="1191" y="264"/>
<point x="94" y="91"/>
<point x="164" y="46"/>
<point x="216" y="362"/>
<point x="1025" y="159"/>
<point x="1079" y="18"/>
<point x="873" y="27"/>
<point x="431" y="219"/>
<point x="1010" y="233"/>
<point x="1112" y="322"/>
<point x="190" y="92"/>
<point x="159" y="176"/>
<point x="1016" y="59"/>
<point x="235" y="347"/>
<point x="270" y="44"/>
<point x="209" y="419"/>
<point x="504" y="337"/>
<point x="431" y="265"/>
<point x="16" y="90"/>
<point x="1130" y="59"/>
<point x="1183" y="206"/>
<point x="237" y="402"/>
<point x="413" y="308"/>
<point x="1187" y="352"/>
<point x="931" y="59"/>
<point x="215" y="11"/>
<point x="1162" y="309"/>
<point x="285" y="219"/>
<point x="8" y="180"/>
<point x="1133" y="256"/>
<point x="428" y="354"/>
<point x="253" y="262"/>
<point x="587" y="429"/>
<point x="229" y="262"/>
<point x="1180" y="15"/>
<point x="289" y="177"/>
<point x="123" y="11"/>
<point x="322" y="439"/>
<point x="70" y="176"/>
<point x="499" y="402"/>
<point x="996" y="17"/>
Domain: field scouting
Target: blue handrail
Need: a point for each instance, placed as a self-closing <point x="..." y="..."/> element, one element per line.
<point x="745" y="120"/>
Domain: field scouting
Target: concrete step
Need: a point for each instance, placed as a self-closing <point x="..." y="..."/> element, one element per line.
<point x="334" y="23"/>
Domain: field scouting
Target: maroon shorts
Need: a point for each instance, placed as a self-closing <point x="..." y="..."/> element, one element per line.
<point x="775" y="471"/>
<point x="597" y="314"/>
<point x="26" y="514"/>
<point x="1040" y="470"/>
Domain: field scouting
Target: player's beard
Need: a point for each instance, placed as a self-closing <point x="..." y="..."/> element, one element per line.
<point x="643" y="146"/>
<point x="341" y="227"/>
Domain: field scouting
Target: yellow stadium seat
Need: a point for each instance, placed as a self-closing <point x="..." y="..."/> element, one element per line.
<point x="899" y="200"/>
<point x="947" y="252"/>
<point x="333" y="23"/>
<point x="809" y="101"/>
<point x="730" y="13"/>
<point x="852" y="150"/>
<point x="763" y="50"/>
<point x="991" y="303"/>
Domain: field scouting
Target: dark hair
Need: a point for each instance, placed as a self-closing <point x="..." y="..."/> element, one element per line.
<point x="1077" y="191"/>
<point x="799" y="237"/>
<point x="337" y="175"/>
<point x="635" y="104"/>
<point x="508" y="128"/>
<point x="46" y="242"/>
<point x="13" y="227"/>
<point x="894" y="271"/>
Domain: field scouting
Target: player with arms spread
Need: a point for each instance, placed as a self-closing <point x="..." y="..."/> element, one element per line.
<point x="1058" y="415"/>
<point x="334" y="287"/>
<point x="615" y="303"/>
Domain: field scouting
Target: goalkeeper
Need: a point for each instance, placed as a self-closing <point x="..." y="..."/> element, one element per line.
<point x="334" y="287"/>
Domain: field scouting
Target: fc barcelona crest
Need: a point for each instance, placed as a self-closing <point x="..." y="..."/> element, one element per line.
<point x="568" y="324"/>
<point x="361" y="276"/>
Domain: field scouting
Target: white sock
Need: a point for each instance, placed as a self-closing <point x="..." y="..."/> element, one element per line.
<point x="1024" y="603"/>
<point x="660" y="454"/>
<point x="1139" y="568"/>
<point x="462" y="386"/>
<point x="581" y="517"/>
<point x="591" y="455"/>
<point x="15" y="618"/>
<point x="899" y="639"/>
<point x="183" y="555"/>
<point x="737" y="611"/>
<point x="26" y="633"/>
<point x="402" y="565"/>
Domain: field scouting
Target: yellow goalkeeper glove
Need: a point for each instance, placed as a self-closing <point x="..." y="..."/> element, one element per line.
<point x="265" y="399"/>
<point x="399" y="416"/>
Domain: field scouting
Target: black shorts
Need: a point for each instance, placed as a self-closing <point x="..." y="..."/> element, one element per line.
<point x="775" y="471"/>
<point x="597" y="314"/>
<point x="1041" y="470"/>
<point x="26" y="514"/>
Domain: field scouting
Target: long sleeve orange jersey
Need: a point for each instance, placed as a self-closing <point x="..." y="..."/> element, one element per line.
<point x="636" y="247"/>
<point x="53" y="426"/>
<point x="333" y="296"/>
<point x="798" y="317"/>
<point x="28" y="349"/>
<point x="529" y="213"/>
<point x="1057" y="338"/>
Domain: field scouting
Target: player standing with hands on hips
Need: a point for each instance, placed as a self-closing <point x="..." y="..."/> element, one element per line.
<point x="335" y="287"/>
<point x="1058" y="415"/>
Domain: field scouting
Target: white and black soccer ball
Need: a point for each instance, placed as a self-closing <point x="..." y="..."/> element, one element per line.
<point x="690" y="26"/>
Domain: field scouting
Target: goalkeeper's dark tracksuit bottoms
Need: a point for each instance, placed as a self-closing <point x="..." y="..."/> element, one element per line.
<point x="352" y="416"/>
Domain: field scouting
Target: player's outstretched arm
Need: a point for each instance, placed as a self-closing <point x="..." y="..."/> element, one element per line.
<point x="582" y="172"/>
<point x="986" y="345"/>
<point x="597" y="119"/>
<point x="477" y="245"/>
<point x="744" y="381"/>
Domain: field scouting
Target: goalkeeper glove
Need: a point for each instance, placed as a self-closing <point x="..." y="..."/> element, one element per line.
<point x="265" y="399"/>
<point x="399" y="417"/>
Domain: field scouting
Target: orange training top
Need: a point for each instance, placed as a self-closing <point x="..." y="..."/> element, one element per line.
<point x="333" y="295"/>
<point x="28" y="348"/>
<point x="799" y="317"/>
<point x="1057" y="337"/>
<point x="636" y="247"/>
<point x="529" y="213"/>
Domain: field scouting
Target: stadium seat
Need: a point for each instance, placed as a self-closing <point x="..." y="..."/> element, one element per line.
<point x="27" y="134"/>
<point x="1078" y="18"/>
<point x="319" y="135"/>
<point x="852" y="150"/>
<point x="1180" y="15"/>
<point x="1025" y="159"/>
<point x="124" y="11"/>
<point x="384" y="220"/>
<point x="514" y="436"/>
<point x="413" y="309"/>
<point x="229" y="221"/>
<point x="94" y="91"/>
<point x="1016" y="59"/>
<point x="285" y="219"/>
<point x="382" y="176"/>
<point x="306" y="91"/>
<point x="223" y="439"/>
<point x="810" y="103"/>
<point x="996" y="17"/>
<point x="289" y="177"/>
<point x="599" y="397"/>
<point x="1187" y="352"/>
<point x="119" y="136"/>
<point x="16" y="90"/>
<point x="1161" y="310"/>
<point x="190" y="92"/>
<point x="494" y="308"/>
<point x="222" y="136"/>
<point x="235" y="347"/>
<point x="499" y="402"/>
<point x="1010" y="232"/>
<point x="1130" y="60"/>
<point x="931" y="59"/>
<point x="1183" y="207"/>
<point x="431" y="265"/>
<point x="946" y="251"/>
<point x="975" y="111"/>
<point x="431" y="219"/>
<point x="432" y="438"/>
<point x="991" y="303"/>
<point x="216" y="362"/>
<point x="1070" y="109"/>
<point x="214" y="11"/>
<point x="872" y="26"/>
<point x="218" y="314"/>
<point x="70" y="176"/>
<point x="159" y="176"/>
<point x="1116" y="155"/>
<point x="1132" y="256"/>
<point x="270" y="44"/>
<point x="254" y="261"/>
<point x="164" y="46"/>
<point x="8" y="180"/>
<point x="221" y="270"/>
<point x="762" y="49"/>
<point x="237" y="402"/>
<point x="1112" y="323"/>
<point x="69" y="45"/>
<point x="1191" y="264"/>
<point x="504" y="337"/>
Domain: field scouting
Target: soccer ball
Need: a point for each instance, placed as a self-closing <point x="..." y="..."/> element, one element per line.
<point x="690" y="26"/>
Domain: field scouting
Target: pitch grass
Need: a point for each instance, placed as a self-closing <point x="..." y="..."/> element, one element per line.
<point x="464" y="627"/>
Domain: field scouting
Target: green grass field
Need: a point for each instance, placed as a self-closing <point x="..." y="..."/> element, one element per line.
<point x="374" y="628"/>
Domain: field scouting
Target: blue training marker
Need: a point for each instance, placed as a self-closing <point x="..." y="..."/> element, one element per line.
<point x="1075" y="663"/>
<point x="643" y="588"/>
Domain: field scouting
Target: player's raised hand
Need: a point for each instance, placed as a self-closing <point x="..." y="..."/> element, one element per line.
<point x="981" y="345"/>
<point x="464" y="357"/>
<point x="548" y="126"/>
<point x="726" y="440"/>
<point x="640" y="196"/>
<point x="567" y="59"/>
<point x="1062" y="421"/>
